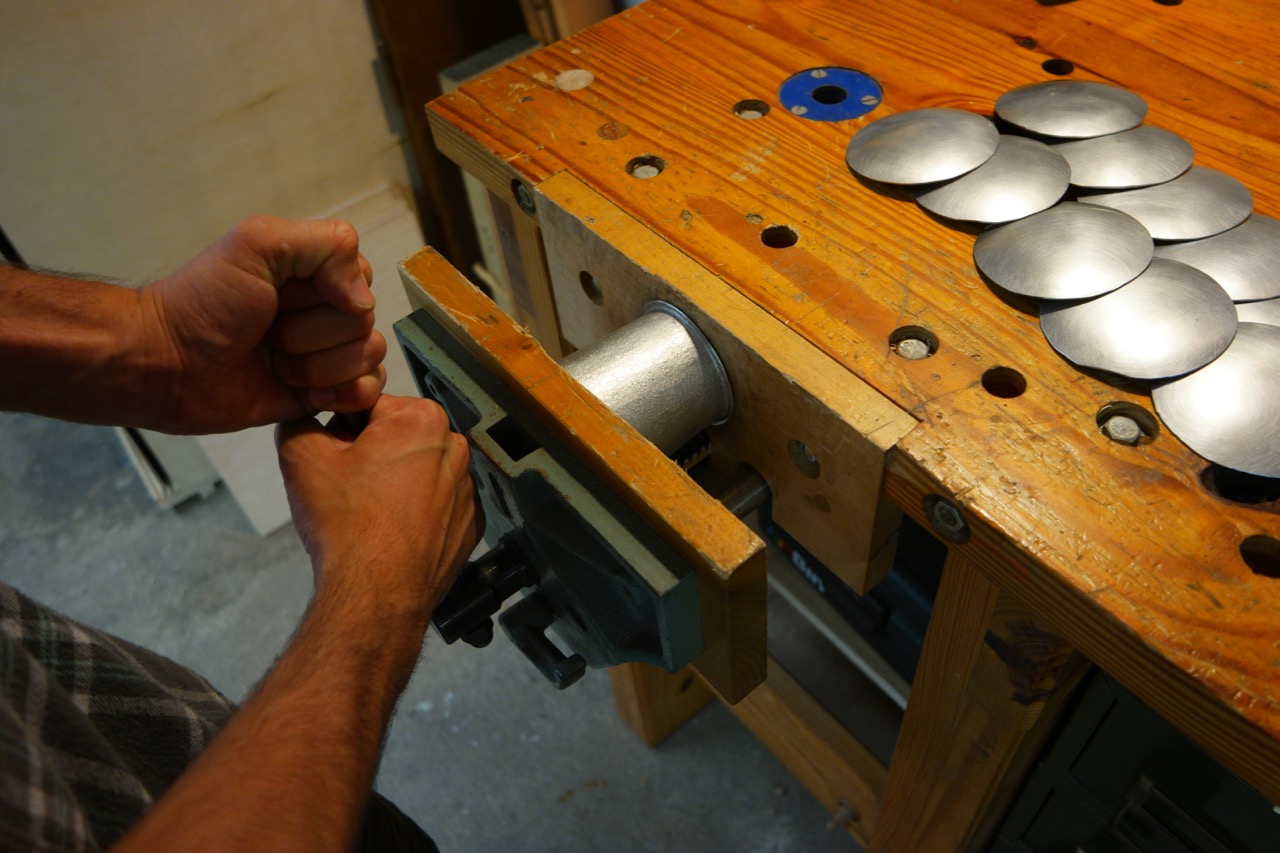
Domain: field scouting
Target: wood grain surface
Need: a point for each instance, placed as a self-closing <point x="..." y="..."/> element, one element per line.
<point x="1140" y="563"/>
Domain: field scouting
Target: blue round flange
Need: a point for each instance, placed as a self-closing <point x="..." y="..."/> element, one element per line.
<point x="830" y="94"/>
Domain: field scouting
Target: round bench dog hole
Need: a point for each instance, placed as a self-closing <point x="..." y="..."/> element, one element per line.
<point x="913" y="342"/>
<point x="1262" y="555"/>
<point x="1239" y="487"/>
<point x="590" y="287"/>
<point x="645" y="166"/>
<point x="830" y="94"/>
<point x="1060" y="67"/>
<point x="804" y="460"/>
<point x="1004" y="382"/>
<point x="751" y="109"/>
<point x="779" y="236"/>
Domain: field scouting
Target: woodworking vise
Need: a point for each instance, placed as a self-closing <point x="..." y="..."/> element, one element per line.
<point x="592" y="570"/>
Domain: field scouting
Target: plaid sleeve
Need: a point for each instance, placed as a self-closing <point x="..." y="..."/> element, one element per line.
<point x="92" y="729"/>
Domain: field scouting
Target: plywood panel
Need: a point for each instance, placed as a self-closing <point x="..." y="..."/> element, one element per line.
<point x="138" y="131"/>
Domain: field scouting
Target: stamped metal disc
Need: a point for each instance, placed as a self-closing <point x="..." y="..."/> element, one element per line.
<point x="1244" y="260"/>
<point x="1168" y="321"/>
<point x="1023" y="177"/>
<point x="1200" y="203"/>
<point x="1132" y="158"/>
<point x="1266" y="312"/>
<point x="922" y="146"/>
<point x="1073" y="109"/>
<point x="1071" y="251"/>
<point x="1229" y="411"/>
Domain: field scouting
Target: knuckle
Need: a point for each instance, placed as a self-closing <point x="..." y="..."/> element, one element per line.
<point x="260" y="233"/>
<point x="375" y="347"/>
<point x="432" y="412"/>
<point x="345" y="239"/>
<point x="253" y="226"/>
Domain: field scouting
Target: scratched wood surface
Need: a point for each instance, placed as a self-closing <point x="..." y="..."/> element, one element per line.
<point x="728" y="557"/>
<point x="1125" y="541"/>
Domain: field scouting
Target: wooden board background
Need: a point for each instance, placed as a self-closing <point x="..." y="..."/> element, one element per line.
<point x="138" y="131"/>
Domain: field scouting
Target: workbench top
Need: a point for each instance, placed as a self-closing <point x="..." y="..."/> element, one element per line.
<point x="1125" y="550"/>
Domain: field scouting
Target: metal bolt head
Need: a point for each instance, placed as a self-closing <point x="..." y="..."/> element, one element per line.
<point x="946" y="519"/>
<point x="1122" y="429"/>
<point x="913" y="349"/>
<point x="524" y="198"/>
<point x="845" y="815"/>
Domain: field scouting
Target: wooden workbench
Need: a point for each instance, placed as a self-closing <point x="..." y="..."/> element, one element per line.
<point x="1075" y="545"/>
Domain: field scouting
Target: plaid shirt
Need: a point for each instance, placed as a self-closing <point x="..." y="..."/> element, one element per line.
<point x="92" y="729"/>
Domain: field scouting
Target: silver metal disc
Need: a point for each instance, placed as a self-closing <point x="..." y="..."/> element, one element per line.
<point x="1071" y="251"/>
<point x="1023" y="177"/>
<point x="1244" y="260"/>
<point x="1132" y="158"/>
<point x="1073" y="109"/>
<point x="922" y="146"/>
<point x="1229" y="411"/>
<point x="1266" y="312"/>
<point x="1168" y="321"/>
<point x="1200" y="203"/>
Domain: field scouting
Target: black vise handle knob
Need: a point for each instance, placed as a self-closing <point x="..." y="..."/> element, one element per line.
<point x="483" y="584"/>
<point x="526" y="623"/>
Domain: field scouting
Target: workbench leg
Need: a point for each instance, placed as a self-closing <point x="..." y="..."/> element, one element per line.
<point x="655" y="703"/>
<point x="989" y="685"/>
<point x="820" y="752"/>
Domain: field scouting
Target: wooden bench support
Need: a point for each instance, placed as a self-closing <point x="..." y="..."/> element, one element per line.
<point x="989" y="685"/>
<point x="655" y="703"/>
<point x="820" y="752"/>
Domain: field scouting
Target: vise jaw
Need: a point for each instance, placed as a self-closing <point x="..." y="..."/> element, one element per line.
<point x="591" y="569"/>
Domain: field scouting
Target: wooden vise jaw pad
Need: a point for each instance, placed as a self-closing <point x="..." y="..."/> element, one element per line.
<point x="699" y="571"/>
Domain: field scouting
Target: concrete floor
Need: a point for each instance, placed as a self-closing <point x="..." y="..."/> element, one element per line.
<point x="483" y="753"/>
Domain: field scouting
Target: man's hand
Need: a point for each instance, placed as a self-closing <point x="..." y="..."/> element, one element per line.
<point x="388" y="517"/>
<point x="271" y="323"/>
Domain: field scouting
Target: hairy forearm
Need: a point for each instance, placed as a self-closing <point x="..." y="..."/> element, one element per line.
<point x="293" y="768"/>
<point x="72" y="348"/>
